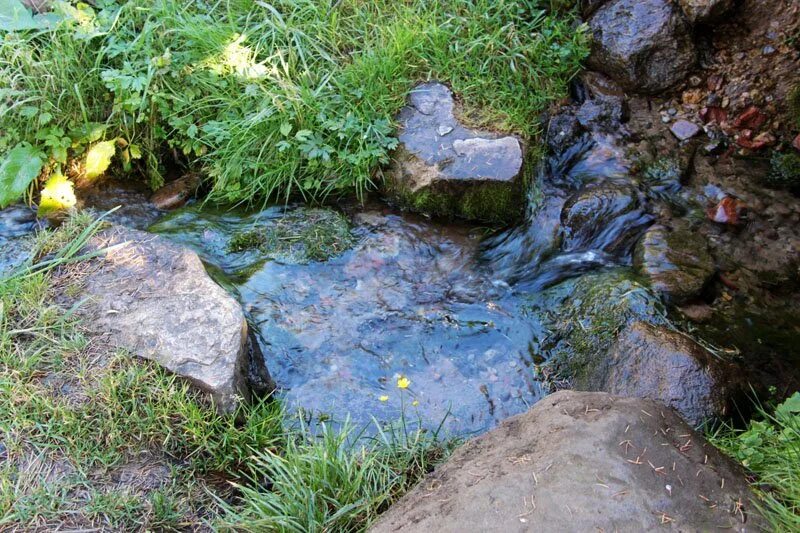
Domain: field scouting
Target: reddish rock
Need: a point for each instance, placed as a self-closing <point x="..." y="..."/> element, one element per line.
<point x="713" y="115"/>
<point x="745" y="140"/>
<point x="751" y="118"/>
<point x="715" y="82"/>
<point x="796" y="143"/>
<point x="176" y="193"/>
<point x="683" y="130"/>
<point x="729" y="211"/>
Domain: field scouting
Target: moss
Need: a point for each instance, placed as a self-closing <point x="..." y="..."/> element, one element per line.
<point x="246" y="240"/>
<point x="784" y="172"/>
<point x="588" y="321"/>
<point x="491" y="204"/>
<point x="300" y="236"/>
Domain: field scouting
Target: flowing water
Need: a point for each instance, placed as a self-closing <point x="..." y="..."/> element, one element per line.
<point x="461" y="316"/>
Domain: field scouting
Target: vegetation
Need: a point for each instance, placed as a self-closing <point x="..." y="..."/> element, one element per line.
<point x="91" y="438"/>
<point x="270" y="99"/>
<point x="770" y="448"/>
<point x="785" y="171"/>
<point x="299" y="236"/>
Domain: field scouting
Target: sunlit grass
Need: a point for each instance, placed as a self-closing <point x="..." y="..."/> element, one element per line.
<point x="281" y="98"/>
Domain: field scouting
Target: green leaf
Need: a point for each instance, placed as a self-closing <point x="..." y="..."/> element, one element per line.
<point x="19" y="168"/>
<point x="790" y="407"/>
<point x="98" y="158"/>
<point x="286" y="129"/>
<point x="58" y="195"/>
<point x="135" y="151"/>
<point x="14" y="16"/>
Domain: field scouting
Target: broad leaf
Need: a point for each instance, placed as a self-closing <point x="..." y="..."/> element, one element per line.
<point x="15" y="17"/>
<point x="17" y="170"/>
<point x="58" y="195"/>
<point x="98" y="158"/>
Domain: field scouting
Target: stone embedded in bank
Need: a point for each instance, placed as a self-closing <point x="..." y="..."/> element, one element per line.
<point x="154" y="298"/>
<point x="645" y="45"/>
<point x="581" y="462"/>
<point x="445" y="169"/>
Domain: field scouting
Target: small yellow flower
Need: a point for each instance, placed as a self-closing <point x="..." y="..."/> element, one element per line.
<point x="415" y="403"/>
<point x="384" y="398"/>
<point x="403" y="382"/>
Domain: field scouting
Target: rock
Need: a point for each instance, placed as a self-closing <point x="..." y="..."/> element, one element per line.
<point x="661" y="364"/>
<point x="464" y="173"/>
<point x="562" y="132"/>
<point x="176" y="193"/>
<point x="154" y="299"/>
<point x="751" y="118"/>
<point x="705" y="11"/>
<point x="684" y="130"/>
<point x="581" y="462"/>
<point x="606" y="217"/>
<point x="645" y="45"/>
<point x="728" y="210"/>
<point x="699" y="313"/>
<point x="796" y="143"/>
<point x="677" y="263"/>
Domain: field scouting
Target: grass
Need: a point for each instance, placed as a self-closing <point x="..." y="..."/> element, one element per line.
<point x="92" y="438"/>
<point x="291" y="97"/>
<point x="770" y="448"/>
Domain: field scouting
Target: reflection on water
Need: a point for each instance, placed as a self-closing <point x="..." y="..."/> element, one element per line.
<point x="16" y="224"/>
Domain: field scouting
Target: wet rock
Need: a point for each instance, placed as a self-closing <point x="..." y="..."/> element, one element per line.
<point x="661" y="364"/>
<point x="607" y="217"/>
<point x="699" y="313"/>
<point x="581" y="462"/>
<point x="645" y="45"/>
<point x="704" y="11"/>
<point x="176" y="193"/>
<point x="677" y="263"/>
<point x="562" y="131"/>
<point x="684" y="130"/>
<point x="729" y="210"/>
<point x="154" y="298"/>
<point x="464" y="173"/>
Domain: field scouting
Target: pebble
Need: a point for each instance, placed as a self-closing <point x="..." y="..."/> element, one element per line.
<point x="683" y="130"/>
<point x="768" y="50"/>
<point x="444" y="130"/>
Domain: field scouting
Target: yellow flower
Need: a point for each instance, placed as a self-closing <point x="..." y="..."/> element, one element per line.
<point x="384" y="398"/>
<point x="403" y="382"/>
<point x="415" y="403"/>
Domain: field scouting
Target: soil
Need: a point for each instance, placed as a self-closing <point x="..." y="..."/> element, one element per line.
<point x="748" y="61"/>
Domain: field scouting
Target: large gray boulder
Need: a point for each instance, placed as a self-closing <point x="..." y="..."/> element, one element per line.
<point x="662" y="364"/>
<point x="645" y="45"/>
<point x="581" y="462"/>
<point x="153" y="298"/>
<point x="676" y="262"/>
<point x="443" y="168"/>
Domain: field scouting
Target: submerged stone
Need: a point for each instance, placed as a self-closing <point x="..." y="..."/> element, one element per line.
<point x="154" y="299"/>
<point x="176" y="193"/>
<point x="582" y="462"/>
<point x="645" y="45"/>
<point x="676" y="262"/>
<point x="443" y="168"/>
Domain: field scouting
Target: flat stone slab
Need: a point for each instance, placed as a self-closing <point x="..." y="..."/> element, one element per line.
<point x="155" y="299"/>
<point x="467" y="170"/>
<point x="581" y="462"/>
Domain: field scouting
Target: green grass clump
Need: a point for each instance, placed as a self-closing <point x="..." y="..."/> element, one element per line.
<point x="272" y="99"/>
<point x="770" y="448"/>
<point x="299" y="236"/>
<point x="785" y="171"/>
<point x="91" y="438"/>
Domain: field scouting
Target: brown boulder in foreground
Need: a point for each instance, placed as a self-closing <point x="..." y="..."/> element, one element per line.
<point x="581" y="462"/>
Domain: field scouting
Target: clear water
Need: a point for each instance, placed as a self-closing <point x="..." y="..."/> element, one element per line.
<point x="408" y="300"/>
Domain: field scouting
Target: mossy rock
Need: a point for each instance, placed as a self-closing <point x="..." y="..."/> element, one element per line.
<point x="588" y="322"/>
<point x="443" y="168"/>
<point x="301" y="236"/>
